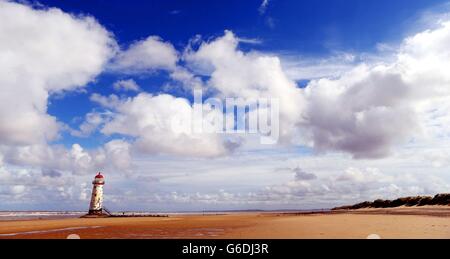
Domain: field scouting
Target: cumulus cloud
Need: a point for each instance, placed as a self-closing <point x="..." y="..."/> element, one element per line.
<point x="163" y="124"/>
<point x="350" y="113"/>
<point x="48" y="176"/>
<point x="93" y="120"/>
<point x="43" y="52"/>
<point x="234" y="73"/>
<point x="126" y="85"/>
<point x="37" y="62"/>
<point x="118" y="153"/>
<point x="114" y="156"/>
<point x="365" y="110"/>
<point x="146" y="56"/>
<point x="27" y="186"/>
<point x="187" y="79"/>
<point x="110" y="101"/>
<point x="380" y="105"/>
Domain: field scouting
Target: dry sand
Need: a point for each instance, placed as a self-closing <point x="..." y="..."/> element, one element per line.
<point x="425" y="222"/>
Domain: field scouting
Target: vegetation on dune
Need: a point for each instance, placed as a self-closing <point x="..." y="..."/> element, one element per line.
<point x="438" y="199"/>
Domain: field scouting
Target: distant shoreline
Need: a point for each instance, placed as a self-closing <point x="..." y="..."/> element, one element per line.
<point x="8" y="215"/>
<point x="442" y="199"/>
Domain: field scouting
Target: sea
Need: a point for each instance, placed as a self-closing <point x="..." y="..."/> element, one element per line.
<point x="29" y="215"/>
<point x="32" y="215"/>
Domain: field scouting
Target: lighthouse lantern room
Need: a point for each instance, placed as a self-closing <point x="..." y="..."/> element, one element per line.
<point x="95" y="207"/>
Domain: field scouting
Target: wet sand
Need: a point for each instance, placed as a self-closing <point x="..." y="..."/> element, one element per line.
<point x="424" y="222"/>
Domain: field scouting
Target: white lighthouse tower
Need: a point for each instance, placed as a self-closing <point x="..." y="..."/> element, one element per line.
<point x="95" y="208"/>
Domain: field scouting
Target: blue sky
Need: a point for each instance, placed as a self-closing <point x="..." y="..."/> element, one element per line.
<point x="95" y="85"/>
<point x="304" y="28"/>
<point x="300" y="26"/>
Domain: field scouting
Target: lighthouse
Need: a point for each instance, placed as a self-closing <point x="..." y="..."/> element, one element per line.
<point x="95" y="208"/>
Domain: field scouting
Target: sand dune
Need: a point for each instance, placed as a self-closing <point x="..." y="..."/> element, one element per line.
<point x="424" y="222"/>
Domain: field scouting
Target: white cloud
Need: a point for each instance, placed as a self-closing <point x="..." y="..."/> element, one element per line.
<point x="115" y="157"/>
<point x="255" y="41"/>
<point x="350" y="113"/>
<point x="299" y="68"/>
<point x="118" y="153"/>
<point x="234" y="73"/>
<point x="354" y="175"/>
<point x="263" y="7"/>
<point x="41" y="52"/>
<point x="146" y="56"/>
<point x="17" y="189"/>
<point x="163" y="124"/>
<point x="365" y="110"/>
<point x="110" y="101"/>
<point x="381" y="106"/>
<point x="93" y="120"/>
<point x="27" y="188"/>
<point x="187" y="79"/>
<point x="45" y="52"/>
<point x="126" y="85"/>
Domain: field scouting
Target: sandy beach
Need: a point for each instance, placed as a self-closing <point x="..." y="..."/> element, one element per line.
<point x="428" y="222"/>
